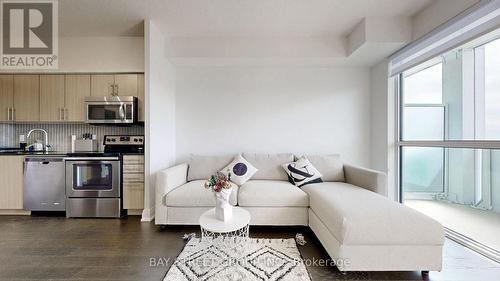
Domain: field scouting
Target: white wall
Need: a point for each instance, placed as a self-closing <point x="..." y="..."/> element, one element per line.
<point x="160" y="118"/>
<point x="99" y="54"/>
<point x="382" y="124"/>
<point x="379" y="116"/>
<point x="222" y="110"/>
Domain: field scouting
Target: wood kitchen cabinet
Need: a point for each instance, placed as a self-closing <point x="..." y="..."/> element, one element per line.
<point x="26" y="98"/>
<point x="126" y="85"/>
<point x="60" y="97"/>
<point x="133" y="182"/>
<point x="11" y="185"/>
<point x="77" y="88"/>
<point x="114" y="85"/>
<point x="102" y="85"/>
<point x="6" y="97"/>
<point x="52" y="97"/>
<point x="19" y="98"/>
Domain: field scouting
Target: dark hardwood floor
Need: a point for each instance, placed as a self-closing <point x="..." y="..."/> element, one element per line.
<point x="56" y="248"/>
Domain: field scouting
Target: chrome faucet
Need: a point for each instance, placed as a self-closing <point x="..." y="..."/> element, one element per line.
<point x="46" y="138"/>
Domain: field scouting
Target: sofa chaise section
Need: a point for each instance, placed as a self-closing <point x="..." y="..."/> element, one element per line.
<point x="361" y="229"/>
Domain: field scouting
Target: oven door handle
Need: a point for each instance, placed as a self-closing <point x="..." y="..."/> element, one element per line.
<point x="92" y="158"/>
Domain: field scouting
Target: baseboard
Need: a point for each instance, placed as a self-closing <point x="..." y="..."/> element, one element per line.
<point x="14" y="213"/>
<point x="134" y="212"/>
<point x="148" y="214"/>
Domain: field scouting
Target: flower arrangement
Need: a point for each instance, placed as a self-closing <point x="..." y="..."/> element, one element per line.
<point x="218" y="182"/>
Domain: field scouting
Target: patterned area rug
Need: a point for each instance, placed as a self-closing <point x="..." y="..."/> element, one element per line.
<point x="257" y="259"/>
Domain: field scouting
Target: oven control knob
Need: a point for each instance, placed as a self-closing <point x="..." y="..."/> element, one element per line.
<point x="136" y="140"/>
<point x="113" y="140"/>
<point x="108" y="140"/>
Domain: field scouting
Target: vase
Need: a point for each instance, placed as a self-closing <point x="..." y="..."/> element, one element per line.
<point x="223" y="210"/>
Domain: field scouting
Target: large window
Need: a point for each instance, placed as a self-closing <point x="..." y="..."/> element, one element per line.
<point x="449" y="142"/>
<point x="424" y="117"/>
<point x="492" y="89"/>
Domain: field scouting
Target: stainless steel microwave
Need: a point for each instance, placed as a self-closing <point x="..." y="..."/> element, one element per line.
<point x="111" y="110"/>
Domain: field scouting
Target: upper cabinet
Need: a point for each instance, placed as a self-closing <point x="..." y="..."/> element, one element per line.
<point x="114" y="85"/>
<point x="60" y="97"/>
<point x="26" y="98"/>
<point x="77" y="88"/>
<point x="52" y="98"/>
<point x="102" y="85"/>
<point x="126" y="85"/>
<point x="19" y="98"/>
<point x="6" y="97"/>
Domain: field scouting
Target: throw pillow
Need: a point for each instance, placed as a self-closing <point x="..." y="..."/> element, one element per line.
<point x="302" y="172"/>
<point x="240" y="169"/>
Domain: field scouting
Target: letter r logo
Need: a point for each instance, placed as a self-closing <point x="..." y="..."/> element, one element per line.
<point x="27" y="27"/>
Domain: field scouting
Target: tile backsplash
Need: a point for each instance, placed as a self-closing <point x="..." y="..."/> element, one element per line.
<point x="60" y="134"/>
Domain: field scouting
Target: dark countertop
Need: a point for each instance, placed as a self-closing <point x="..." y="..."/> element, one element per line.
<point x="33" y="153"/>
<point x="50" y="153"/>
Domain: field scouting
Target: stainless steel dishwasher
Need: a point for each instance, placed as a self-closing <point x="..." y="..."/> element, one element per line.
<point x="44" y="188"/>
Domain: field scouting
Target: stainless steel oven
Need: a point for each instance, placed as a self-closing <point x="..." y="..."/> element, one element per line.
<point x="111" y="110"/>
<point x="93" y="186"/>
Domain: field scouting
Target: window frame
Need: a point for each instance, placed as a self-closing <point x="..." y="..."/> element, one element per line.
<point x="484" y="144"/>
<point x="464" y="144"/>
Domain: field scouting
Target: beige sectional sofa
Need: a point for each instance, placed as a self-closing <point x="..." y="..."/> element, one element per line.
<point x="358" y="226"/>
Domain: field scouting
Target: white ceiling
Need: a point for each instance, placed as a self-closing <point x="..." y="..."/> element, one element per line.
<point x="244" y="28"/>
<point x="226" y="17"/>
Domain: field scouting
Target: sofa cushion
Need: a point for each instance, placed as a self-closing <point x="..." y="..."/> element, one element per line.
<point x="271" y="193"/>
<point x="329" y="165"/>
<point x="357" y="216"/>
<point x="202" y="167"/>
<point x="269" y="165"/>
<point x="194" y="194"/>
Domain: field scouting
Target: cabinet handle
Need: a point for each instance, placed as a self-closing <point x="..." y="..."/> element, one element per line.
<point x="8" y="113"/>
<point x="13" y="114"/>
<point x="66" y="114"/>
<point x="60" y="115"/>
<point x="114" y="89"/>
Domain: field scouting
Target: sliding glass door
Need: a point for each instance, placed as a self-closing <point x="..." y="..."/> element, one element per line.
<point x="449" y="146"/>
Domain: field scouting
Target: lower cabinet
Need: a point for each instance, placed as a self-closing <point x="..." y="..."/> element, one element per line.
<point x="133" y="182"/>
<point x="11" y="182"/>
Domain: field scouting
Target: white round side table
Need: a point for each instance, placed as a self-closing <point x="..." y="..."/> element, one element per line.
<point x="234" y="229"/>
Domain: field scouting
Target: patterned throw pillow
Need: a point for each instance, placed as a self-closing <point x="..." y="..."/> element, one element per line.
<point x="240" y="169"/>
<point x="302" y="172"/>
